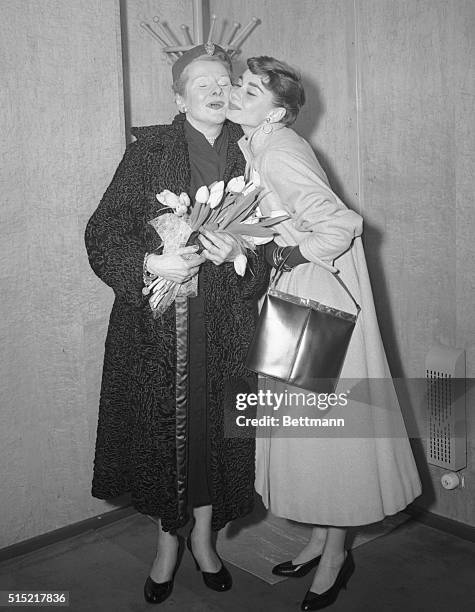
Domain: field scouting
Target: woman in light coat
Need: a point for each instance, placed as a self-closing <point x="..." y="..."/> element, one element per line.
<point x="330" y="482"/>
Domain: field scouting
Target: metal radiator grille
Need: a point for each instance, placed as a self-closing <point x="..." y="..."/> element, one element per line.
<point x="445" y="372"/>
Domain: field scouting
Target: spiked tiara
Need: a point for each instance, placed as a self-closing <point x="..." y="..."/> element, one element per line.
<point x="174" y="49"/>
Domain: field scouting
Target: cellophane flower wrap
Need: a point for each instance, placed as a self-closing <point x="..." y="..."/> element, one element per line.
<point x="233" y="209"/>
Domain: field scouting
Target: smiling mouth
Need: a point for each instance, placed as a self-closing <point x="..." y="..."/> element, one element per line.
<point x="216" y="105"/>
<point x="232" y="106"/>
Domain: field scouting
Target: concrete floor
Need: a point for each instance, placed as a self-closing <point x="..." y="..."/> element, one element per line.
<point x="413" y="569"/>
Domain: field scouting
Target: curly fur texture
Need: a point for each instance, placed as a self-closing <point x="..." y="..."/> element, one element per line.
<point x="136" y="446"/>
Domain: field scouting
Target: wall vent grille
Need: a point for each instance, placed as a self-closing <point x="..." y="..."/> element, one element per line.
<point x="445" y="386"/>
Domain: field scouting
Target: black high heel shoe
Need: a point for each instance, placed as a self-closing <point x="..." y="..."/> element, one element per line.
<point x="218" y="581"/>
<point x="289" y="570"/>
<point x="318" y="601"/>
<point x="156" y="592"/>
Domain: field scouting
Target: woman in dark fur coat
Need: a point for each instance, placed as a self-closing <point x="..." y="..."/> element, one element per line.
<point x="165" y="379"/>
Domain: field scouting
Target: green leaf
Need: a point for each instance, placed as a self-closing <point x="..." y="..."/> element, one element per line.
<point x="195" y="212"/>
<point x="203" y="216"/>
<point x="247" y="202"/>
<point x="248" y="229"/>
<point x="269" y="221"/>
<point x="212" y="227"/>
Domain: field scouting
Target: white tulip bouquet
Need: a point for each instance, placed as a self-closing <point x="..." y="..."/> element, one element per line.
<point x="233" y="209"/>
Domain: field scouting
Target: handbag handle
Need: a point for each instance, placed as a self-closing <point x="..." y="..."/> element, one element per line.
<point x="334" y="271"/>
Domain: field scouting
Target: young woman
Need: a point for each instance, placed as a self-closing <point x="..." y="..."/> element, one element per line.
<point x="332" y="483"/>
<point x="160" y="432"/>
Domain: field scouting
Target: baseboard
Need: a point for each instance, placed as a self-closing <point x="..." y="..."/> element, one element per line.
<point x="442" y="523"/>
<point x="52" y="537"/>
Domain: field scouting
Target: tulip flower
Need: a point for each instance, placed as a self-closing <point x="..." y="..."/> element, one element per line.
<point x="252" y="220"/>
<point x="249" y="188"/>
<point x="184" y="199"/>
<point x="202" y="195"/>
<point x="167" y="198"/>
<point x="278" y="213"/>
<point x="236" y="185"/>
<point x="240" y="264"/>
<point x="216" y="194"/>
<point x="181" y="210"/>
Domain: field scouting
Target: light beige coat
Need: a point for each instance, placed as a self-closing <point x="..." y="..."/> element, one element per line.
<point x="330" y="480"/>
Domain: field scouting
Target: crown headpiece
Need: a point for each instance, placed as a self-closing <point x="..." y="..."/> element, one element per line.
<point x="175" y="49"/>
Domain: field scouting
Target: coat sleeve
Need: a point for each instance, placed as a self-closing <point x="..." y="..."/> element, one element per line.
<point x="115" y="236"/>
<point x="299" y="183"/>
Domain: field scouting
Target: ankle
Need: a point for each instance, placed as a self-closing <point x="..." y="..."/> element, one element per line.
<point x="202" y="547"/>
<point x="311" y="550"/>
<point x="167" y="544"/>
<point x="201" y="538"/>
<point x="334" y="559"/>
<point x="316" y="545"/>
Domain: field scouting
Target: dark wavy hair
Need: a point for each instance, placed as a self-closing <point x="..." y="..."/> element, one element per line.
<point x="283" y="81"/>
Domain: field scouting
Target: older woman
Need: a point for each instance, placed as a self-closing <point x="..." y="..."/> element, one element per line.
<point x="160" y="431"/>
<point x="331" y="482"/>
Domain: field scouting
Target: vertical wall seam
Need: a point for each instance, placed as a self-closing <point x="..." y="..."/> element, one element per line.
<point x="125" y="71"/>
<point x="358" y="108"/>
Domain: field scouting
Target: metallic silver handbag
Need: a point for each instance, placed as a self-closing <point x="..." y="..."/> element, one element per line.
<point x="300" y="341"/>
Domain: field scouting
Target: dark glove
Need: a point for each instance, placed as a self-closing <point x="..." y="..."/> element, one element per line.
<point x="275" y="255"/>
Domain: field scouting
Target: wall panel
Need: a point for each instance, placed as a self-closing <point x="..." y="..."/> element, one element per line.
<point x="149" y="96"/>
<point x="62" y="116"/>
<point x="407" y="168"/>
<point x="463" y="83"/>
<point x="415" y="140"/>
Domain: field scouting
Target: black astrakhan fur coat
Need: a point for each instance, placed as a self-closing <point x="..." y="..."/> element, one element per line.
<point x="139" y="443"/>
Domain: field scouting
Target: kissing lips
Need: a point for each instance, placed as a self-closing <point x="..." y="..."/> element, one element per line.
<point x="232" y="106"/>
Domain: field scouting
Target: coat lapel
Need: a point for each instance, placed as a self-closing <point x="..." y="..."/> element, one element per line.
<point x="174" y="167"/>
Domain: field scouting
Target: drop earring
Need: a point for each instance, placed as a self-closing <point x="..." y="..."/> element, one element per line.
<point x="267" y="127"/>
